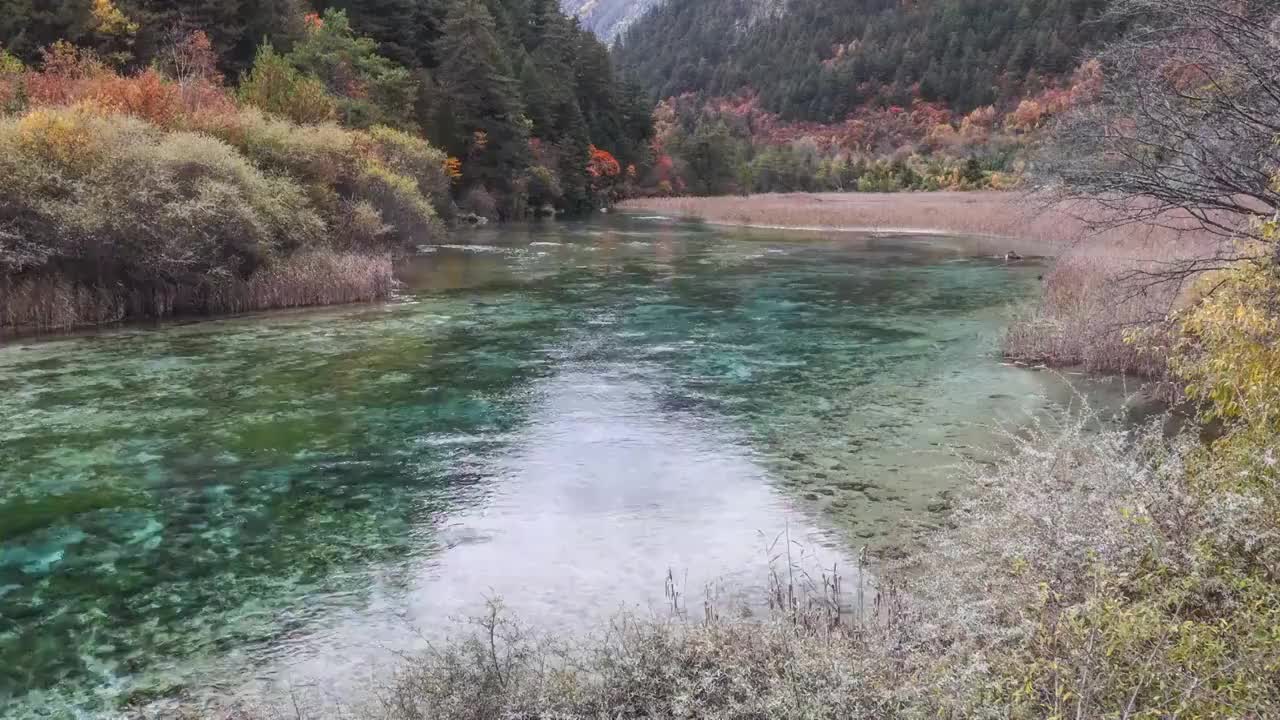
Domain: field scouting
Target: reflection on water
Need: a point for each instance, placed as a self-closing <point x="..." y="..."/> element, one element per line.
<point x="556" y="414"/>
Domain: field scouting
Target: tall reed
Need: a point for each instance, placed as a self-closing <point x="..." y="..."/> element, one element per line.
<point x="313" y="277"/>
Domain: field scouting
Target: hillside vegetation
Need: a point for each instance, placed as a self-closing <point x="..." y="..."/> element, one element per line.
<point x="874" y="96"/>
<point x="165" y="158"/>
<point x="514" y="90"/>
<point x="820" y="60"/>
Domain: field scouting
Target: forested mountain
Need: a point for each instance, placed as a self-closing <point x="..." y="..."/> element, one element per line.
<point x="820" y="60"/>
<point x="606" y="18"/>
<point x="516" y="90"/>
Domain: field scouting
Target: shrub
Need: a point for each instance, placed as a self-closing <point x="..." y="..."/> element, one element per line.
<point x="321" y="157"/>
<point x="1229" y="347"/>
<point x="12" y="94"/>
<point x="113" y="202"/>
<point x="145" y="195"/>
<point x="276" y="86"/>
<point x="544" y="187"/>
<point x="399" y="202"/>
<point x="147" y="96"/>
<point x="415" y="158"/>
<point x="348" y="173"/>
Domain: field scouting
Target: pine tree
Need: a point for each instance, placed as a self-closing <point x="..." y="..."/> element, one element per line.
<point x="403" y="29"/>
<point x="27" y="26"/>
<point x="489" y="129"/>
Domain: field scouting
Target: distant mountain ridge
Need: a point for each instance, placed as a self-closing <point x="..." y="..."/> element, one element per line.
<point x="607" y="18"/>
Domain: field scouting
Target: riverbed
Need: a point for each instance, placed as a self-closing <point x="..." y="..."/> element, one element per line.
<point x="562" y="415"/>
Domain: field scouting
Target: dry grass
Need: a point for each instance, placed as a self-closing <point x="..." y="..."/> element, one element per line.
<point x="321" y="277"/>
<point x="1096" y="293"/>
<point x="1019" y="226"/>
<point x="55" y="302"/>
<point x="318" y="277"/>
<point x="1089" y="310"/>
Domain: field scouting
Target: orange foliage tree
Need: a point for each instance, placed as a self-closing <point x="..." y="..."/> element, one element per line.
<point x="602" y="164"/>
<point x="184" y="83"/>
<point x="148" y="96"/>
<point x="604" y="170"/>
<point x="453" y="168"/>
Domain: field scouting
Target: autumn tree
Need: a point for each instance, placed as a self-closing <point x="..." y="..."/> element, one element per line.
<point x="113" y="32"/>
<point x="605" y="172"/>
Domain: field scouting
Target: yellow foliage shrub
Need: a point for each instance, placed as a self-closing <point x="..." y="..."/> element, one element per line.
<point x="60" y="136"/>
<point x="1229" y="351"/>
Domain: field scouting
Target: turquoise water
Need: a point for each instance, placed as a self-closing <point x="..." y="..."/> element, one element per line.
<point x="556" y="414"/>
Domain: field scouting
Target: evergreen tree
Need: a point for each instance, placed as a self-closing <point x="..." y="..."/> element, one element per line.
<point x="236" y="27"/>
<point x="403" y="29"/>
<point x="27" y="26"/>
<point x="488" y="127"/>
<point x="371" y="90"/>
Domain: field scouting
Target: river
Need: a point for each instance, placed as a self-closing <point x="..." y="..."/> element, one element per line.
<point x="557" y="414"/>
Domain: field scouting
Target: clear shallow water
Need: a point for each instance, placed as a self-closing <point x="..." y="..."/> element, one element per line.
<point x="556" y="415"/>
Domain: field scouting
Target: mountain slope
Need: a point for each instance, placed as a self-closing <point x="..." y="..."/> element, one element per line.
<point x="821" y="59"/>
<point x="606" y="18"/>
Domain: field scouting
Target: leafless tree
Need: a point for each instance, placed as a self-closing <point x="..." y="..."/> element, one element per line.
<point x="1184" y="130"/>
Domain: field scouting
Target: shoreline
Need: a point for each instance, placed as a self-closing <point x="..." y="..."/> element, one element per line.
<point x="867" y="229"/>
<point x="1029" y="228"/>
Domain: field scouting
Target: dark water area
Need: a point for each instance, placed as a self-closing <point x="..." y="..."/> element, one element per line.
<point x="557" y="414"/>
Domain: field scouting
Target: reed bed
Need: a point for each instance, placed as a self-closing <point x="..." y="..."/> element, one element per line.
<point x="320" y="277"/>
<point x="41" y="303"/>
<point x="1104" y="283"/>
<point x="308" y="278"/>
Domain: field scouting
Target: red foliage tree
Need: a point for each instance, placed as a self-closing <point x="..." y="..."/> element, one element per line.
<point x="602" y="165"/>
